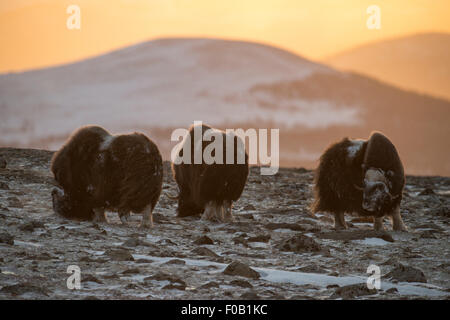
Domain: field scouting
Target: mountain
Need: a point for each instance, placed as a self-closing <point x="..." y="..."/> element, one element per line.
<point x="419" y="62"/>
<point x="164" y="84"/>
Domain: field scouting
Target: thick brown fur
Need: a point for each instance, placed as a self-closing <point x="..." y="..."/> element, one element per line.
<point x="338" y="174"/>
<point x="97" y="170"/>
<point x="203" y="183"/>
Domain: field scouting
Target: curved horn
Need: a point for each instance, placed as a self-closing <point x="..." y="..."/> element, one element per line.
<point x="358" y="187"/>
<point x="394" y="197"/>
<point x="171" y="196"/>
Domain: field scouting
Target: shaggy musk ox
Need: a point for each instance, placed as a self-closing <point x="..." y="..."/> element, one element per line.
<point x="364" y="177"/>
<point x="210" y="188"/>
<point x="99" y="171"/>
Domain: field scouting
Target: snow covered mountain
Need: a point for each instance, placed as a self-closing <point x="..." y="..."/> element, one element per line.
<point x="164" y="84"/>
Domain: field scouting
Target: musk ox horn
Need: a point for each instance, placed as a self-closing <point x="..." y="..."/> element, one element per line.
<point x="394" y="197"/>
<point x="358" y="187"/>
<point x="172" y="197"/>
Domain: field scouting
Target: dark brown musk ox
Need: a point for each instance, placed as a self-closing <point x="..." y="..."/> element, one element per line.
<point x="98" y="171"/>
<point x="360" y="176"/>
<point x="205" y="187"/>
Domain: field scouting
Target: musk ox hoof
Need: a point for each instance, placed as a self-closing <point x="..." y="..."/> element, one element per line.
<point x="124" y="218"/>
<point x="378" y="224"/>
<point x="99" y="215"/>
<point x="340" y="227"/>
<point x="146" y="225"/>
<point x="401" y="228"/>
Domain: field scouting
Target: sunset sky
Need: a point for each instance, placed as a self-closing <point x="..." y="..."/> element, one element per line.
<point x="33" y="33"/>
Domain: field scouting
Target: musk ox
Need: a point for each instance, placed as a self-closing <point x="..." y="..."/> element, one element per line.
<point x="207" y="186"/>
<point x="360" y="176"/>
<point x="98" y="171"/>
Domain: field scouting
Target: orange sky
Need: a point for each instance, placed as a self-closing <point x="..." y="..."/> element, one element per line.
<point x="33" y="33"/>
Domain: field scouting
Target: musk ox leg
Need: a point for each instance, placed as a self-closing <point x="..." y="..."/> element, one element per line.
<point x="210" y="211"/>
<point x="147" y="218"/>
<point x="339" y="221"/>
<point x="228" y="215"/>
<point x="99" y="215"/>
<point x="378" y="224"/>
<point x="124" y="216"/>
<point x="215" y="212"/>
<point x="397" y="221"/>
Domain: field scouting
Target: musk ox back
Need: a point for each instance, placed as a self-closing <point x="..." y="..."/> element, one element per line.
<point x="360" y="176"/>
<point x="205" y="187"/>
<point x="99" y="171"/>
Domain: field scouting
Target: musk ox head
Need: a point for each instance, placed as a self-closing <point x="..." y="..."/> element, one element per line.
<point x="61" y="203"/>
<point x="376" y="190"/>
<point x="67" y="207"/>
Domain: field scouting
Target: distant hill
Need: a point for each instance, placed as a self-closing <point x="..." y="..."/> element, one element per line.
<point x="419" y="62"/>
<point x="164" y="84"/>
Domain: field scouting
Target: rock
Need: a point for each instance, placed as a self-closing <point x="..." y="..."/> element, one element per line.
<point x="426" y="192"/>
<point x="90" y="278"/>
<point x="211" y="284"/>
<point x="132" y="286"/>
<point x="166" y="242"/>
<point x="291" y="226"/>
<point x="355" y="235"/>
<point x="4" y="186"/>
<point x="332" y="286"/>
<point x="392" y="290"/>
<point x="14" y="202"/>
<point x="119" y="254"/>
<point x="176" y="261"/>
<point x="21" y="288"/>
<point x="443" y="211"/>
<point x="240" y="240"/>
<point x="391" y="261"/>
<point x="352" y="291"/>
<point x="132" y="242"/>
<point x="131" y="271"/>
<point x="249" y="295"/>
<point x="203" y="240"/>
<point x="237" y="268"/>
<point x="6" y="238"/>
<point x="312" y="269"/>
<point x="172" y="286"/>
<point x="248" y="207"/>
<point x="260" y="238"/>
<point x="3" y="163"/>
<point x="301" y="297"/>
<point x="161" y="276"/>
<point x="90" y="259"/>
<point x="403" y="273"/>
<point x="299" y="243"/>
<point x="30" y="226"/>
<point x="241" y="283"/>
<point x="205" y="252"/>
<point x="428" y="234"/>
<point x="144" y="261"/>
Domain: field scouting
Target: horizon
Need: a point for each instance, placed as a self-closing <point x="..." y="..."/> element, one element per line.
<point x="305" y="29"/>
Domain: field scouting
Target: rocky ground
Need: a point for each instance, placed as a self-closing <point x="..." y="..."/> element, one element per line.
<point x="274" y="250"/>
